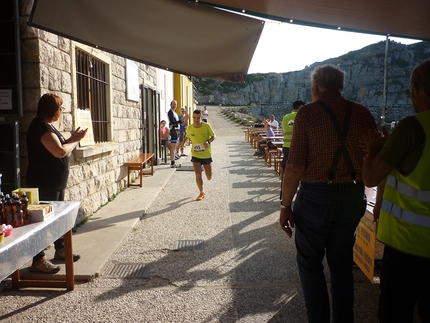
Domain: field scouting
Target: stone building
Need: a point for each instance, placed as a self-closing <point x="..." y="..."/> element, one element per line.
<point x="121" y="100"/>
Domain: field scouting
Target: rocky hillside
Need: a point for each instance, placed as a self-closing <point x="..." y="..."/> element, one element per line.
<point x="364" y="82"/>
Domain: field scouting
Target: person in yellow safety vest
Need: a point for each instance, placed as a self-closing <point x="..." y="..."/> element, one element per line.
<point x="287" y="130"/>
<point x="399" y="165"/>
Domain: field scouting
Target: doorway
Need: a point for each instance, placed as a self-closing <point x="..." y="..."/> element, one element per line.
<point x="150" y="121"/>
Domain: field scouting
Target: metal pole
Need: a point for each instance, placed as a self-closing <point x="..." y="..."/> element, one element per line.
<point x="384" y="98"/>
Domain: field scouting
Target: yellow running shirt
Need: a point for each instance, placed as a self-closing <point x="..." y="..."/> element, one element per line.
<point x="198" y="137"/>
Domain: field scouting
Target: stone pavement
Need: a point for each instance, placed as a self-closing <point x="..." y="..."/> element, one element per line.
<point x="154" y="254"/>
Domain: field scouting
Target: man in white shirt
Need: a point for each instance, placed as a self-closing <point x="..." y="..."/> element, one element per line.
<point x="205" y="114"/>
<point x="273" y="123"/>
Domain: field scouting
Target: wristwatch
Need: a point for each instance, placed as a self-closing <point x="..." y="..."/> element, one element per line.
<point x="283" y="206"/>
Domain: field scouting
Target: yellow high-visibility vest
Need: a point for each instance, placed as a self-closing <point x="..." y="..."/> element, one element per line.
<point x="287" y="128"/>
<point x="404" y="221"/>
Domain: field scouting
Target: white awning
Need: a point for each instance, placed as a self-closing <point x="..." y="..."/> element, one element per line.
<point x="194" y="38"/>
<point x="409" y="19"/>
<point x="178" y="35"/>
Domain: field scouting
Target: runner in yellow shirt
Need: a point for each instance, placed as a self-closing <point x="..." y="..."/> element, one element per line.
<point x="201" y="135"/>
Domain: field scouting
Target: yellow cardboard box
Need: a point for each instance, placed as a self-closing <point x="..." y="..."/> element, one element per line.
<point x="32" y="194"/>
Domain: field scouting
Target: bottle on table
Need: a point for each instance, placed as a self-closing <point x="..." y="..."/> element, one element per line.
<point x="24" y="207"/>
<point x="8" y="210"/>
<point x="17" y="211"/>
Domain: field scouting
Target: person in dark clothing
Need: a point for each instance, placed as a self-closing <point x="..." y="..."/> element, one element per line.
<point x="48" y="165"/>
<point x="325" y="159"/>
<point x="174" y="124"/>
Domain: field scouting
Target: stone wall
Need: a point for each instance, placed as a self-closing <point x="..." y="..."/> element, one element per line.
<point x="46" y="67"/>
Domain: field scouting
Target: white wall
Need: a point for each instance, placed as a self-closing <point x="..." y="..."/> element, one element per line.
<point x="165" y="87"/>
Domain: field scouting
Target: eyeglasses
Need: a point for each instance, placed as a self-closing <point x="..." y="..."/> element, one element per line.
<point x="63" y="109"/>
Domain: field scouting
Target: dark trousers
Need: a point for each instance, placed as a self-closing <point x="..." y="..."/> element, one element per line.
<point x="326" y="218"/>
<point x="285" y="152"/>
<point x="264" y="141"/>
<point x="260" y="145"/>
<point x="405" y="282"/>
<point x="48" y="194"/>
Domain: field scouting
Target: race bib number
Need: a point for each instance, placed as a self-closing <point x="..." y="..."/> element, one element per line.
<point x="199" y="147"/>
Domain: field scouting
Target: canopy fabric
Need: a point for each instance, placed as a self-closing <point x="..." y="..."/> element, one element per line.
<point x="194" y="38"/>
<point x="409" y="19"/>
<point x="178" y="35"/>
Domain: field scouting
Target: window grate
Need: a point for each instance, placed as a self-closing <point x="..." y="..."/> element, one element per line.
<point x="92" y="85"/>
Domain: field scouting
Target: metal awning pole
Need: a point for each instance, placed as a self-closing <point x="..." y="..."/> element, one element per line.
<point x="384" y="97"/>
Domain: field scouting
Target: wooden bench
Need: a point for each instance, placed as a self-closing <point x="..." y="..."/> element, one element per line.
<point x="137" y="163"/>
<point x="246" y="132"/>
<point x="278" y="162"/>
<point x="268" y="153"/>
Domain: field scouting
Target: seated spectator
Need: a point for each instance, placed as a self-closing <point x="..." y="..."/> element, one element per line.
<point x="268" y="140"/>
<point x="164" y="133"/>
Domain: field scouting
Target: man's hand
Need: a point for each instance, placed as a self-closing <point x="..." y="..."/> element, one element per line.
<point x="373" y="141"/>
<point x="286" y="220"/>
<point x="375" y="169"/>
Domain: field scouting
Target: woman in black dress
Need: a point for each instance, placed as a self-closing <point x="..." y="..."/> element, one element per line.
<point x="48" y="165"/>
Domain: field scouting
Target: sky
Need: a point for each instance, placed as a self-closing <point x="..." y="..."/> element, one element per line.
<point x="285" y="47"/>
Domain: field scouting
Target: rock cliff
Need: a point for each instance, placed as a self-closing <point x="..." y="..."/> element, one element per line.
<point x="364" y="82"/>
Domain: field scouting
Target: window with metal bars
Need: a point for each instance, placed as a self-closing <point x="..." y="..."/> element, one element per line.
<point x="92" y="91"/>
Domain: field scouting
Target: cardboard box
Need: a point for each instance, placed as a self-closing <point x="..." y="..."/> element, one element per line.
<point x="32" y="194"/>
<point x="39" y="212"/>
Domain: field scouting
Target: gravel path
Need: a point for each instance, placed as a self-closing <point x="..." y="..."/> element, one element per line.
<point x="245" y="271"/>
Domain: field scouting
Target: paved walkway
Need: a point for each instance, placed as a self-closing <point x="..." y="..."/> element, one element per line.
<point x="234" y="263"/>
